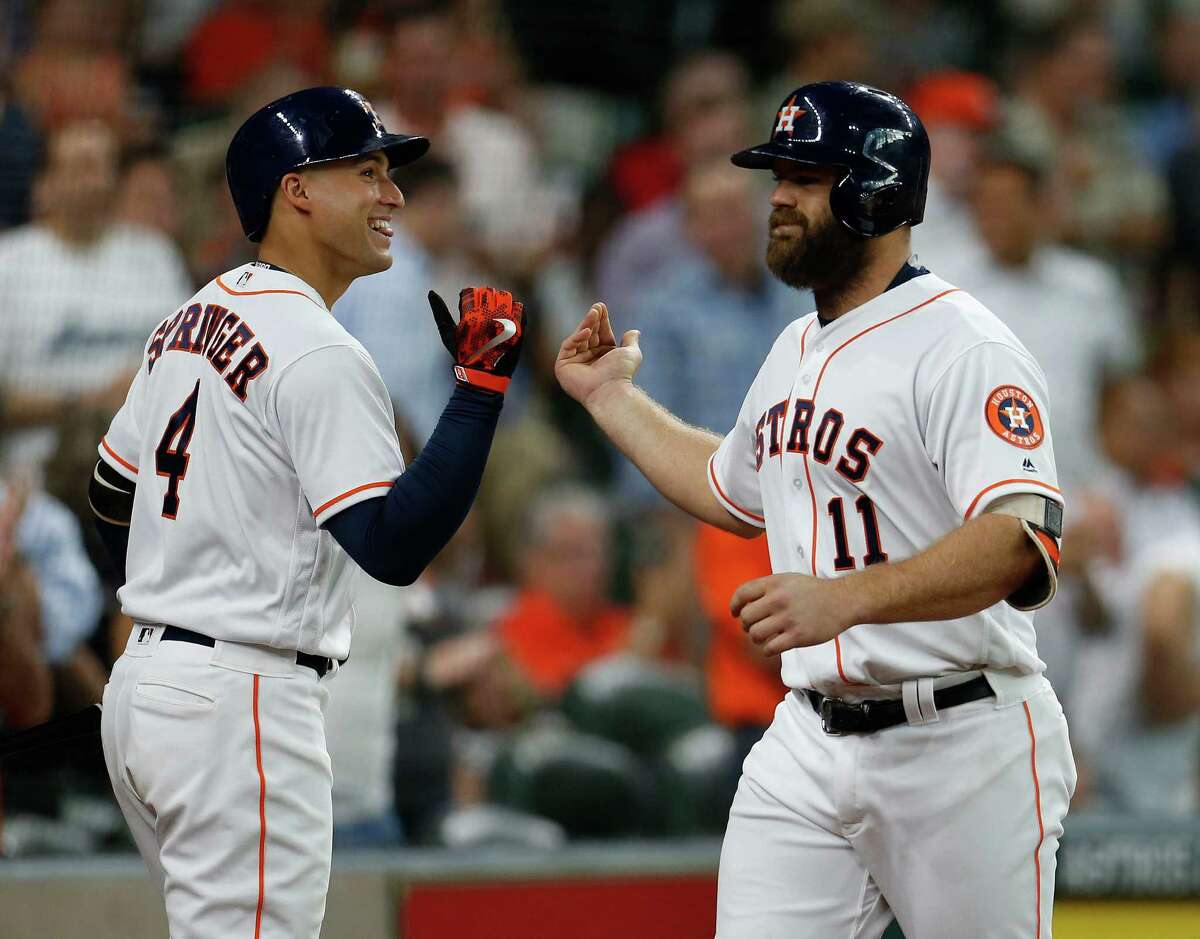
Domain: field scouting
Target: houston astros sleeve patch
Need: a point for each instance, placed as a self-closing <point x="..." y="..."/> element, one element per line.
<point x="1013" y="416"/>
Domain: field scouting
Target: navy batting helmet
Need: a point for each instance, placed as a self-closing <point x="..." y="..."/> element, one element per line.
<point x="312" y="126"/>
<point x="874" y="136"/>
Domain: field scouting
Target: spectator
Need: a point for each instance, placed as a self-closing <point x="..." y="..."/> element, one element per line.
<point x="1116" y="524"/>
<point x="716" y="314"/>
<point x="511" y="215"/>
<point x="705" y="113"/>
<point x="361" y="716"/>
<point x="1044" y="292"/>
<point x="561" y="618"/>
<point x="957" y="109"/>
<point x="74" y="70"/>
<point x="824" y="40"/>
<point x="49" y="540"/>
<point x="704" y="116"/>
<point x="1113" y="202"/>
<point x="241" y="37"/>
<point x="148" y="195"/>
<point x="1153" y="673"/>
<point x="79" y="294"/>
<point x="1168" y="124"/>
<point x="389" y="312"/>
<point x="1177" y="370"/>
<point x="26" y="694"/>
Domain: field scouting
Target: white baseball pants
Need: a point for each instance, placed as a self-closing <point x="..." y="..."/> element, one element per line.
<point x="217" y="758"/>
<point x="951" y="827"/>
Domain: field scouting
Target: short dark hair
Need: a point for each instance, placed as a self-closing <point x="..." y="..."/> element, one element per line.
<point x="1001" y="153"/>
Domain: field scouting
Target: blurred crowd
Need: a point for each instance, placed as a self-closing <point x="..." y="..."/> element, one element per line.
<point x="568" y="666"/>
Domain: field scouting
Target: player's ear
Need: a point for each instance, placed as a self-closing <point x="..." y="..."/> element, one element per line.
<point x="293" y="188"/>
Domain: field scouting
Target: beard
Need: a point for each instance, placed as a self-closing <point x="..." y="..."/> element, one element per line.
<point x="828" y="256"/>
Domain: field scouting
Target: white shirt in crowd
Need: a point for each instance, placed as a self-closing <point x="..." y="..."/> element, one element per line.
<point x="73" y="319"/>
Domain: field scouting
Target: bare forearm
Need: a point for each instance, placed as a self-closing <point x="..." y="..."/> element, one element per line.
<point x="670" y="453"/>
<point x="974" y="567"/>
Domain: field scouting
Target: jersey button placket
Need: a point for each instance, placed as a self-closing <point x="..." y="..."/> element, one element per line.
<point x="799" y="509"/>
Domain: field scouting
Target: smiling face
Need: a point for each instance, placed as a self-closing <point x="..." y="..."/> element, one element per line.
<point x="349" y="206"/>
<point x="808" y="247"/>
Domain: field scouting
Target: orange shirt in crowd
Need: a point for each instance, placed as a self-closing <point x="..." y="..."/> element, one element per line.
<point x="550" y="645"/>
<point x="741" y="689"/>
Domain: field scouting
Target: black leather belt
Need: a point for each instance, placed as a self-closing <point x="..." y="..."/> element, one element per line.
<point x="179" y="634"/>
<point x="840" y="717"/>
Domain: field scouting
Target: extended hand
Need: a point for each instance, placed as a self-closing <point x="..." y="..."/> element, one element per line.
<point x="590" y="358"/>
<point x="787" y="611"/>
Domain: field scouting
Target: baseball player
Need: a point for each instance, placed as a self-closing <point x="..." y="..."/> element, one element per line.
<point x="895" y="447"/>
<point x="251" y="472"/>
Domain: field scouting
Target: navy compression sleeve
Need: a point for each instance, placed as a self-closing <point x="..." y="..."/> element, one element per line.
<point x="393" y="538"/>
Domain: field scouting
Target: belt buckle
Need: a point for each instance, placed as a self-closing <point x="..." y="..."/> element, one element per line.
<point x="827" y="718"/>
<point x="827" y="713"/>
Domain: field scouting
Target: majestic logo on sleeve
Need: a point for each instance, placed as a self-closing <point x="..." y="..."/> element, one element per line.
<point x="1014" y="417"/>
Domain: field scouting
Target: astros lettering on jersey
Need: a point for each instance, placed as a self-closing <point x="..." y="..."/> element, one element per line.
<point x="870" y="438"/>
<point x="253" y="364"/>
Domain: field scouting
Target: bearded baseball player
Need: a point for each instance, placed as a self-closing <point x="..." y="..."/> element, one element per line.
<point x="895" y="448"/>
<point x="252" y="471"/>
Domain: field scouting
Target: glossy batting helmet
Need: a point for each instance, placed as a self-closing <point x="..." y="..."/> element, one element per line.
<point x="313" y="126"/>
<point x="874" y="136"/>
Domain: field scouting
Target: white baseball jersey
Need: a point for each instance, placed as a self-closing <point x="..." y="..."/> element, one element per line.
<point x="253" y="419"/>
<point x="872" y="437"/>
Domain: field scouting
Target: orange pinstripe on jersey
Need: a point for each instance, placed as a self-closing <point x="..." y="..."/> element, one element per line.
<point x="346" y="495"/>
<point x="113" y="453"/>
<point x="1037" y="799"/>
<point x="262" y="816"/>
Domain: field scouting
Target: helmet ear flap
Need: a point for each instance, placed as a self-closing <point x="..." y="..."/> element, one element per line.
<point x="866" y="210"/>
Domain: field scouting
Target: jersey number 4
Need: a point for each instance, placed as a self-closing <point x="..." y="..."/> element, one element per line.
<point x="171" y="456"/>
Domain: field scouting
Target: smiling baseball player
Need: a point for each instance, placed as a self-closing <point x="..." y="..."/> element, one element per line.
<point x="895" y="447"/>
<point x="251" y="472"/>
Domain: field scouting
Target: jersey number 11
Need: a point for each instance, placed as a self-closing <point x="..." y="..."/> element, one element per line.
<point x="844" y="561"/>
